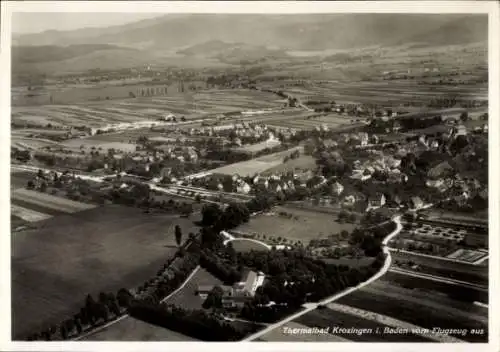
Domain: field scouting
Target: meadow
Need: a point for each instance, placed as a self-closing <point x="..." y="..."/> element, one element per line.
<point x="101" y="249"/>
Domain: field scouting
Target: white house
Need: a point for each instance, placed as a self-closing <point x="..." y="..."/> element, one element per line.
<point x="337" y="188"/>
<point x="243" y="187"/>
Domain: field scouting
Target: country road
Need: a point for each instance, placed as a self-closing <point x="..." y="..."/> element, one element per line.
<point x="312" y="306"/>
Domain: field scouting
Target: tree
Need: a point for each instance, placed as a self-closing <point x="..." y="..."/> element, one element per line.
<point x="211" y="213"/>
<point x="30" y="185"/>
<point x="40" y="173"/>
<point x="464" y="116"/>
<point x="178" y="235"/>
<point x="64" y="332"/>
<point x="234" y="215"/>
<point x="214" y="298"/>
<point x="124" y="298"/>
<point x="78" y="324"/>
<point x="43" y="187"/>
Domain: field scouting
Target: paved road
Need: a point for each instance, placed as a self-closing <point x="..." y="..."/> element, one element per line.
<point x="312" y="306"/>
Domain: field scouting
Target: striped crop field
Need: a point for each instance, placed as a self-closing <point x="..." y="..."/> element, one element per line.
<point x="192" y="104"/>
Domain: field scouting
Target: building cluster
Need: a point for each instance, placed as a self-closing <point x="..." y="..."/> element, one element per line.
<point x="241" y="292"/>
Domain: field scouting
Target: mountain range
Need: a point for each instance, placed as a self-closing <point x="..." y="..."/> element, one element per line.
<point x="231" y="37"/>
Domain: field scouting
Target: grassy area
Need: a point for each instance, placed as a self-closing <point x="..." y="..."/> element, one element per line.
<point x="187" y="297"/>
<point x="303" y="226"/>
<point x="60" y="260"/>
<point x="131" y="329"/>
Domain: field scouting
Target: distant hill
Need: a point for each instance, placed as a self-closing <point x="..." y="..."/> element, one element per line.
<point x="53" y="53"/>
<point x="232" y="52"/>
<point x="291" y="32"/>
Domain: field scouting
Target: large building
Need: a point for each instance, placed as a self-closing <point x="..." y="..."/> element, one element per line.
<point x="240" y="292"/>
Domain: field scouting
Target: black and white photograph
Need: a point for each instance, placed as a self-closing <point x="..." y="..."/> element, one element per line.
<point x="316" y="176"/>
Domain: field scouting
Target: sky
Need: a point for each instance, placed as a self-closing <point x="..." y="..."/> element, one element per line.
<point x="39" y="22"/>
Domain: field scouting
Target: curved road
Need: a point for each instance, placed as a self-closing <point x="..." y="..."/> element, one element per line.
<point x="312" y="306"/>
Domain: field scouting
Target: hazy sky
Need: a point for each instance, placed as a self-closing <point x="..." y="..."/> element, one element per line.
<point x="39" y="22"/>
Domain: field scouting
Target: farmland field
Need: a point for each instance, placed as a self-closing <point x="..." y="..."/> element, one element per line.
<point x="186" y="297"/>
<point x="279" y="335"/>
<point x="190" y="104"/>
<point x="327" y="317"/>
<point x="255" y="166"/>
<point x="27" y="214"/>
<point x="418" y="307"/>
<point x="20" y="179"/>
<point x="443" y="265"/>
<point x="131" y="329"/>
<point x="101" y="249"/>
<point x="48" y="201"/>
<point x="303" y="162"/>
<point x="309" y="225"/>
<point x="468" y="292"/>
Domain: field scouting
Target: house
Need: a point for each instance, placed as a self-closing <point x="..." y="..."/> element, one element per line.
<point x="396" y="126"/>
<point x="360" y="175"/>
<point x="204" y="290"/>
<point x="349" y="200"/>
<point x="461" y="130"/>
<point x="416" y="203"/>
<point x="441" y="170"/>
<point x="243" y="187"/>
<point x="337" y="188"/>
<point x="376" y="201"/>
<point x="249" y="283"/>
